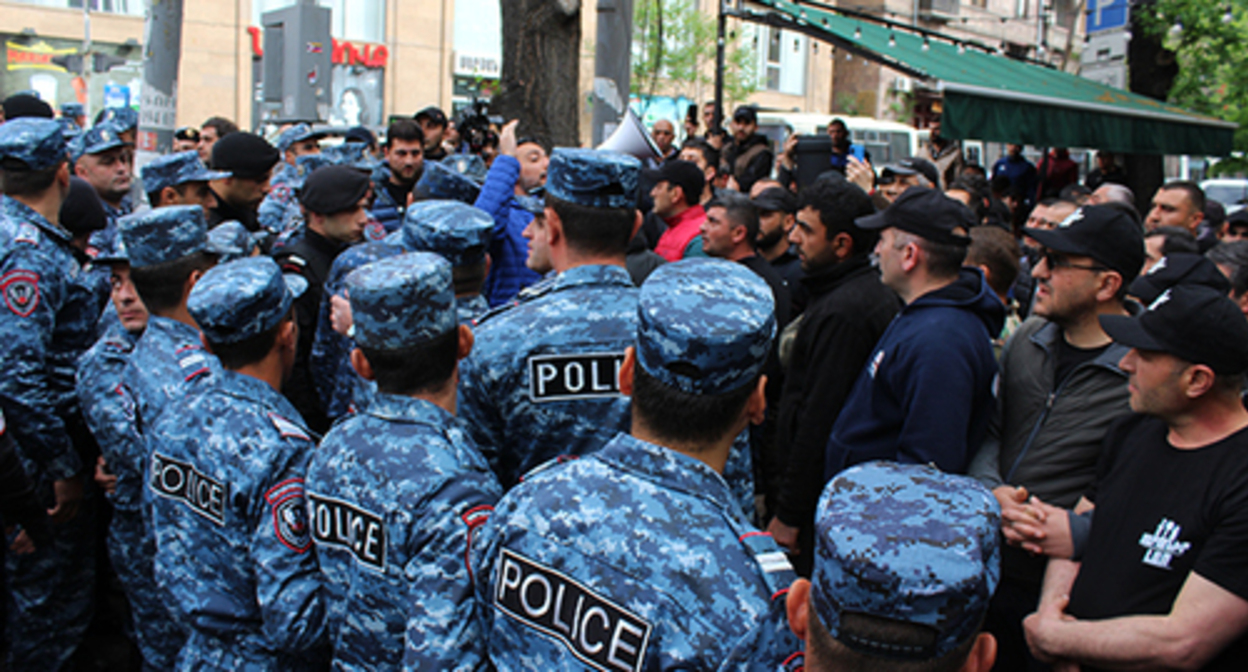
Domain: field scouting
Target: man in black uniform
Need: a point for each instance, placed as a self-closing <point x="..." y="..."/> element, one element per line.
<point x="777" y="209"/>
<point x="334" y="199"/>
<point x="1163" y="580"/>
<point x="250" y="160"/>
<point x="432" y="122"/>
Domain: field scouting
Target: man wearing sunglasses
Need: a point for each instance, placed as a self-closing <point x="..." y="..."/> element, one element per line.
<point x="1060" y="388"/>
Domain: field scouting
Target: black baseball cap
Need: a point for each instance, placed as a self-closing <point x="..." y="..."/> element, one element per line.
<point x="247" y="155"/>
<point x="1178" y="268"/>
<point x="21" y="105"/>
<point x="360" y="134"/>
<point x="1192" y="322"/>
<point x="927" y="213"/>
<point x="683" y="174"/>
<point x="333" y="188"/>
<point x="776" y="199"/>
<point x="745" y="114"/>
<point x="434" y="114"/>
<point x="915" y="166"/>
<point x="1106" y="234"/>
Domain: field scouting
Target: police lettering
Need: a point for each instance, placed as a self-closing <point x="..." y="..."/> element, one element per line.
<point x="180" y="481"/>
<point x="586" y="375"/>
<point x="361" y="533"/>
<point x="594" y="629"/>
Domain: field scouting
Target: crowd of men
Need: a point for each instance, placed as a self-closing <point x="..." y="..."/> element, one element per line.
<point x="426" y="403"/>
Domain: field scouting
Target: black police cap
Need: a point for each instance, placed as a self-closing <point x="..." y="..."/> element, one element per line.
<point x="247" y="155"/>
<point x="25" y="105"/>
<point x="331" y="189"/>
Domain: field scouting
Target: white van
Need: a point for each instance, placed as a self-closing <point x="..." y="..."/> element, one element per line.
<point x="885" y="141"/>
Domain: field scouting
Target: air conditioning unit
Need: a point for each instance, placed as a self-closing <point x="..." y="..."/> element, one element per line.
<point x="903" y="85"/>
<point x="938" y="10"/>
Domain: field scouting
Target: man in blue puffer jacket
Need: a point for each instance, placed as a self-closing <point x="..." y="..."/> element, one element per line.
<point x="927" y="392"/>
<point x="393" y="180"/>
<point x="519" y="170"/>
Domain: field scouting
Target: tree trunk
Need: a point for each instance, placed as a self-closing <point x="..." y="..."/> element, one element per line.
<point x="541" y="69"/>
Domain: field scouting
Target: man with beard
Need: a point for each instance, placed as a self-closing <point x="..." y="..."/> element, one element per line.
<point x="777" y="207"/>
<point x="249" y="159"/>
<point x="393" y="181"/>
<point x="848" y="310"/>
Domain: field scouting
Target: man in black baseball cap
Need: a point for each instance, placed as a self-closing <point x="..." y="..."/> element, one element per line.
<point x="777" y="210"/>
<point x="906" y="173"/>
<point x="926" y="394"/>
<point x="432" y="121"/>
<point x="1167" y="537"/>
<point x="749" y="156"/>
<point x="250" y="160"/>
<point x="334" y="200"/>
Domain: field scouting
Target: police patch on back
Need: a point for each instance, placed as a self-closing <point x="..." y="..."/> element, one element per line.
<point x="597" y="631"/>
<point x="180" y="481"/>
<point x="574" y="376"/>
<point x="342" y="525"/>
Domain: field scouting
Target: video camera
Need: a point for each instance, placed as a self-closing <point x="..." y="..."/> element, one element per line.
<point x="474" y="125"/>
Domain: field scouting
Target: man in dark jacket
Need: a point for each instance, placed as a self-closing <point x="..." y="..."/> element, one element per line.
<point x="334" y="198"/>
<point x="393" y="181"/>
<point x="849" y="309"/>
<point x="749" y="156"/>
<point x="926" y="394"/>
<point x="1060" y="390"/>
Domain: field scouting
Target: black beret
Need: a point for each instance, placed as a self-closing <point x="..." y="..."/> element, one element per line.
<point x="331" y="189"/>
<point x="82" y="211"/>
<point x="247" y="155"/>
<point x="25" y="105"/>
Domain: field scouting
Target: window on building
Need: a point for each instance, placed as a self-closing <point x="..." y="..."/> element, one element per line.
<point x="1020" y="8"/>
<point x="782" y="63"/>
<point x="774" y="49"/>
<point x="131" y="7"/>
<point x="359" y="20"/>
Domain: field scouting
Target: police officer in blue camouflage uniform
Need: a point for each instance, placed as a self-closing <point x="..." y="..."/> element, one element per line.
<point x="231" y="241"/>
<point x="396" y="492"/>
<point x="168" y="253"/>
<point x="295" y="142"/>
<point x="180" y="179"/>
<point x="541" y="380"/>
<point x="442" y="182"/>
<point x="108" y="413"/>
<point x="233" y="546"/>
<point x="102" y="157"/>
<point x="459" y="233"/>
<point x="637" y="556"/>
<point x="906" y="560"/>
<point x="340" y="387"/>
<point x="46" y="321"/>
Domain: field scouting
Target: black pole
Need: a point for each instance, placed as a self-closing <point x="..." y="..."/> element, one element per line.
<point x="720" y="40"/>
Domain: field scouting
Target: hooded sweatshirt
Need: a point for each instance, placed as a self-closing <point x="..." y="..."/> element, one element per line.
<point x="926" y="393"/>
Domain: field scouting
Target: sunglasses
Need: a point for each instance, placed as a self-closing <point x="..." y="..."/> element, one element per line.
<point x="1057" y="260"/>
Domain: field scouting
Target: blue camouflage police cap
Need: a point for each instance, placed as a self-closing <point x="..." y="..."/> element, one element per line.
<point x="122" y="119"/>
<point x="400" y="301"/>
<point x="457" y="232"/>
<point x="174" y="169"/>
<point x="73" y="109"/>
<point x="593" y="177"/>
<point x="99" y="138"/>
<point x="112" y="252"/>
<point x="230" y="240"/>
<point x="468" y="165"/>
<point x="350" y="154"/>
<point x="163" y="234"/>
<point x="296" y="133"/>
<point x="241" y="299"/>
<point x="531" y="204"/>
<point x="69" y="128"/>
<point x="439" y="181"/>
<point x="907" y="543"/>
<point x="704" y="325"/>
<point x="33" y="141"/>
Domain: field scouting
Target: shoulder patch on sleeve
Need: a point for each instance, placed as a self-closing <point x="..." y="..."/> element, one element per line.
<point x="290" y="514"/>
<point x="288" y="428"/>
<point x="3" y="426"/>
<point x="21" y="291"/>
<point x="294" y="263"/>
<point x="473" y="518"/>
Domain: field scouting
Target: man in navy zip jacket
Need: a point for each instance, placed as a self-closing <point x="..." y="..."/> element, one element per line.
<point x="926" y="394"/>
<point x="519" y="170"/>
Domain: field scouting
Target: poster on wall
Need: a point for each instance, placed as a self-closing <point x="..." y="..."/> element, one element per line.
<point x="358" y="96"/>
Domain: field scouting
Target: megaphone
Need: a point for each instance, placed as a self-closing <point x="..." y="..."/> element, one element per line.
<point x="630" y="137"/>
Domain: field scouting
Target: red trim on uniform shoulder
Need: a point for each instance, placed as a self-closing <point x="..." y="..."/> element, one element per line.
<point x="782" y="591"/>
<point x="196" y="373"/>
<point x="755" y="533"/>
<point x="188" y="346"/>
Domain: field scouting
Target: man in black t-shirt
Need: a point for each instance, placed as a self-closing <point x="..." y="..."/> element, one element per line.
<point x="1163" y="581"/>
<point x="1060" y="388"/>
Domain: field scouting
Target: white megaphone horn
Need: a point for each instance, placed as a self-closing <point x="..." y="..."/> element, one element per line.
<point x="630" y="137"/>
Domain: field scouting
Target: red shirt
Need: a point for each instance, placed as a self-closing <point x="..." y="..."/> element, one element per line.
<point x="681" y="229"/>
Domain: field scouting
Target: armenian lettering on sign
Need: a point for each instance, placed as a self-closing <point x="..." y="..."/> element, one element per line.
<point x="596" y="630"/>
<point x="181" y="481"/>
<point x="578" y="376"/>
<point x="342" y="525"/>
